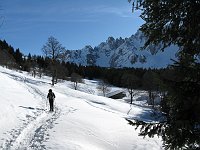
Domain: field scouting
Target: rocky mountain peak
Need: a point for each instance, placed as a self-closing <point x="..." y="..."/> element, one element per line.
<point x="121" y="52"/>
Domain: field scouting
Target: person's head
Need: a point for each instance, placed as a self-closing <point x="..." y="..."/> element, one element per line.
<point x="50" y="90"/>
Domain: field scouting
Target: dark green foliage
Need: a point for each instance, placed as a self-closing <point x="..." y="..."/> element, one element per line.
<point x="13" y="58"/>
<point x="176" y="22"/>
<point x="62" y="71"/>
<point x="18" y="57"/>
<point x="6" y="59"/>
<point x="177" y="135"/>
<point x="151" y="82"/>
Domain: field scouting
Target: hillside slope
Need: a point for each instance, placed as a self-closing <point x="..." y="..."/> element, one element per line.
<point x="81" y="121"/>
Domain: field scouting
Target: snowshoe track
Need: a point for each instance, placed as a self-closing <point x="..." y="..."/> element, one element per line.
<point x="34" y="130"/>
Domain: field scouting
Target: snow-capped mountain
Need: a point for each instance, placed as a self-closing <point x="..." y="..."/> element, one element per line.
<point x="123" y="53"/>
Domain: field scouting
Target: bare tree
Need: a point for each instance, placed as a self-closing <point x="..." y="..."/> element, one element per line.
<point x="103" y="86"/>
<point x="76" y="78"/>
<point x="131" y="82"/>
<point x="56" y="52"/>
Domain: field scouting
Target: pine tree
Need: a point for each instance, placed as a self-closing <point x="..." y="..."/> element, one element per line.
<point x="176" y="22"/>
<point x="18" y="57"/>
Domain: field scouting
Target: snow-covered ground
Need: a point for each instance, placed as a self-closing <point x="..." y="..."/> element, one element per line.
<point x="81" y="120"/>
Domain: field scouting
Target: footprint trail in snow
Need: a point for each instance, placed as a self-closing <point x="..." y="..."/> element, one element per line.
<point x="34" y="131"/>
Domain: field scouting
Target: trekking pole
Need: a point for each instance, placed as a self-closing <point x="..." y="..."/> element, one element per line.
<point x="54" y="105"/>
<point x="46" y="103"/>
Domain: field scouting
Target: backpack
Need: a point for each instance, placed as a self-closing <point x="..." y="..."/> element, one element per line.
<point x="51" y="95"/>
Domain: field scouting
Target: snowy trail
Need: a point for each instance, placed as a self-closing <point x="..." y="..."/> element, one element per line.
<point x="81" y="121"/>
<point x="34" y="131"/>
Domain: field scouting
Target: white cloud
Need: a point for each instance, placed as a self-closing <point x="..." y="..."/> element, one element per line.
<point x="119" y="11"/>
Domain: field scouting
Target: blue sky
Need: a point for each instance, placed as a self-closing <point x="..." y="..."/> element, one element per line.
<point x="27" y="24"/>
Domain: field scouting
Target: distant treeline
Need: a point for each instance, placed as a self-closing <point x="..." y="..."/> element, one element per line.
<point x="137" y="78"/>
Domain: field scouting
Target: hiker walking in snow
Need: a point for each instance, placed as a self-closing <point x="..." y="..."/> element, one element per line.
<point x="51" y="96"/>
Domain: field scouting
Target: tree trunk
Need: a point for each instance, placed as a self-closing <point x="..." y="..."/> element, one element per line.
<point x="75" y="85"/>
<point x="53" y="78"/>
<point x="131" y="92"/>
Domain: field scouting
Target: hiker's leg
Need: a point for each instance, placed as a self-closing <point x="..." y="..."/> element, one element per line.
<point x="51" y="105"/>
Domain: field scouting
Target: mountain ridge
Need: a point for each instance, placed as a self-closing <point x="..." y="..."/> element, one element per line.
<point x="119" y="53"/>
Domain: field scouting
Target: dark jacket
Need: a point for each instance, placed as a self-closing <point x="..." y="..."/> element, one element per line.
<point x="51" y="96"/>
